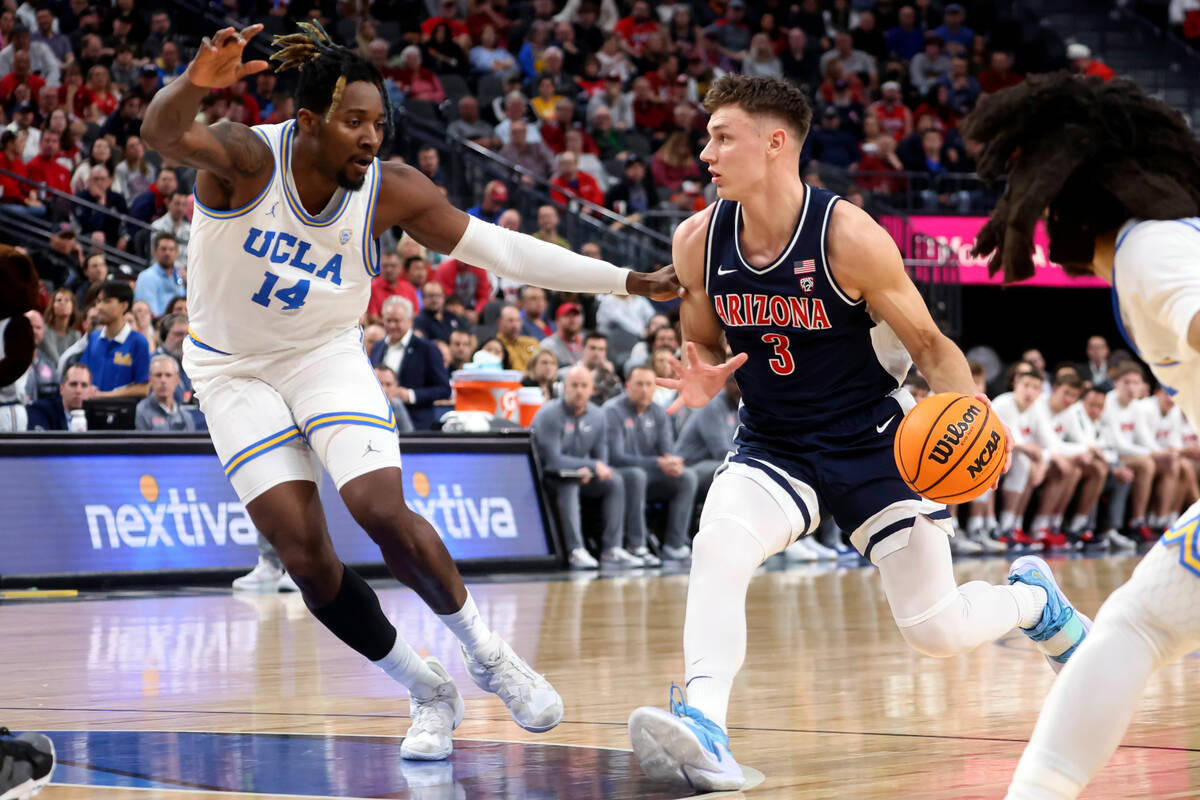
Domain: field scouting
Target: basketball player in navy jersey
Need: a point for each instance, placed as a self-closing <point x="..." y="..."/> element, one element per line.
<point x="283" y="251"/>
<point x="813" y="299"/>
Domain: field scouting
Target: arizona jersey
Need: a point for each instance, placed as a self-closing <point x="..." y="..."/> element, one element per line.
<point x="270" y="276"/>
<point x="1156" y="294"/>
<point x="815" y="354"/>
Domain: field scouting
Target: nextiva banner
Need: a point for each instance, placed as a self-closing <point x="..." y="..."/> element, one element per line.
<point x="123" y="512"/>
<point x="958" y="233"/>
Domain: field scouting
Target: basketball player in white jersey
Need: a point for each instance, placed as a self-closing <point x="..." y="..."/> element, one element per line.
<point x="1120" y="175"/>
<point x="812" y="297"/>
<point x="283" y="252"/>
<point x="1065" y="413"/>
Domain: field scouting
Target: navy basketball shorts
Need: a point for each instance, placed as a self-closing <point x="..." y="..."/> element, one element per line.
<point x="846" y="469"/>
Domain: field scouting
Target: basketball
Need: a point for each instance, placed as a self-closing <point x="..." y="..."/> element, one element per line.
<point x="950" y="448"/>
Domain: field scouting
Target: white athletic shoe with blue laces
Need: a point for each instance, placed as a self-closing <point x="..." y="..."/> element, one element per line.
<point x="1062" y="628"/>
<point x="684" y="747"/>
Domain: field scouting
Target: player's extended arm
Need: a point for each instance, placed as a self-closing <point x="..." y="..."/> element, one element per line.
<point x="234" y="160"/>
<point x="409" y="199"/>
<point x="703" y="371"/>
<point x="865" y="262"/>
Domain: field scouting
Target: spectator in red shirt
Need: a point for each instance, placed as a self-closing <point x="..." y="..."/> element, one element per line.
<point x="448" y="14"/>
<point x="663" y="78"/>
<point x="389" y="282"/>
<point x="18" y="195"/>
<point x="894" y="117"/>
<point x="468" y="282"/>
<point x="554" y="132"/>
<point x="45" y="167"/>
<point x="416" y="81"/>
<point x="96" y="96"/>
<point x="22" y="75"/>
<point x="1082" y="63"/>
<point x="650" y="115"/>
<point x="835" y="72"/>
<point x="674" y="163"/>
<point x="1001" y="75"/>
<point x="636" y="28"/>
<point x="573" y="182"/>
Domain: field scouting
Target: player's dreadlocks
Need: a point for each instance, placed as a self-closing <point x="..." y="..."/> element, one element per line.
<point x="1094" y="153"/>
<point x="325" y="69"/>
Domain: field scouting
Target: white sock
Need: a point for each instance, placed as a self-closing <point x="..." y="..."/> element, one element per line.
<point x="1031" y="602"/>
<point x="1079" y="522"/>
<point x="404" y="665"/>
<point x="1056" y="522"/>
<point x="1041" y="521"/>
<point x="476" y="637"/>
<point x="1008" y="520"/>
<point x="975" y="524"/>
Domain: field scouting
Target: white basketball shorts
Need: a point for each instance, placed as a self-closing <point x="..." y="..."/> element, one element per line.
<point x="265" y="411"/>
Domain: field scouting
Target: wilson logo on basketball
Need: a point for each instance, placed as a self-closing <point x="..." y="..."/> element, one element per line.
<point x="985" y="456"/>
<point x="955" y="432"/>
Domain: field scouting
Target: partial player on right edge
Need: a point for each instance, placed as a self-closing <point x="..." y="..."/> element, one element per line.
<point x="1120" y="175"/>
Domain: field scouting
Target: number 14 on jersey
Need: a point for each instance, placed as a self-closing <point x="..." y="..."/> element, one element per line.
<point x="292" y="296"/>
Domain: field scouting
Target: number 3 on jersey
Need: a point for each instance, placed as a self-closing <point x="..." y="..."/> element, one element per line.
<point x="782" y="363"/>
<point x="292" y="296"/>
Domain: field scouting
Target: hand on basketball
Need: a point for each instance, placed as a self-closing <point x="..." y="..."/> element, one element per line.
<point x="1008" y="440"/>
<point x="218" y="62"/>
<point x="698" y="382"/>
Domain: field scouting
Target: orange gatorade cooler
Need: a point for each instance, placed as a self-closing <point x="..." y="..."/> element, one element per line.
<point x="529" y="400"/>
<point x="493" y="391"/>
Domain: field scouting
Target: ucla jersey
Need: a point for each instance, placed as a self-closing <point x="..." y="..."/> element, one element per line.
<point x="269" y="275"/>
<point x="816" y="356"/>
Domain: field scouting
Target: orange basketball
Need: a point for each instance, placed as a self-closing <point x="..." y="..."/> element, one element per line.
<point x="950" y="448"/>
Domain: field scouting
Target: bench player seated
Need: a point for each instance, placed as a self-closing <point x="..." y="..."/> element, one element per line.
<point x="1062" y="410"/>
<point x="1031" y="463"/>
<point x="1159" y="428"/>
<point x="1120" y="424"/>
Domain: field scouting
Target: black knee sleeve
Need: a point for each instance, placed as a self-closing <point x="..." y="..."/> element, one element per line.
<point x="354" y="616"/>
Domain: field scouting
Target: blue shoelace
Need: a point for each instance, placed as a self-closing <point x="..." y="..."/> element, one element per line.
<point x="708" y="732"/>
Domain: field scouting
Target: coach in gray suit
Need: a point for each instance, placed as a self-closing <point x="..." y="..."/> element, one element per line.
<point x="707" y="436"/>
<point x="640" y="444"/>
<point x="570" y="436"/>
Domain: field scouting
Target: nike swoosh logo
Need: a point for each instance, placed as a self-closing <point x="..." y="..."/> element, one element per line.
<point x="884" y="426"/>
<point x="721" y="271"/>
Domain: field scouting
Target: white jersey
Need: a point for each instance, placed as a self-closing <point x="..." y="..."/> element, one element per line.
<point x="1031" y="426"/>
<point x="1156" y="430"/>
<point x="1120" y="424"/>
<point x="270" y="276"/>
<point x="1067" y="439"/>
<point x="1156" y="294"/>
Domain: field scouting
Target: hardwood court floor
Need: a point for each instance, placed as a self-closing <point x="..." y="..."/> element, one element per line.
<point x="831" y="703"/>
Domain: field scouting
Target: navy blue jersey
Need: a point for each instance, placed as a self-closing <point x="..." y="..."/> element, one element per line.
<point x="815" y="355"/>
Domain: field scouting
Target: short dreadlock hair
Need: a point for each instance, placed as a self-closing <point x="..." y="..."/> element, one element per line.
<point x="325" y="70"/>
<point x="1095" y="154"/>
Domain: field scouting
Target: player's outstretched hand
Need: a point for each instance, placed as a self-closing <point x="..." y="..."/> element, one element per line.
<point x="218" y="62"/>
<point x="662" y="284"/>
<point x="698" y="382"/>
<point x="1008" y="440"/>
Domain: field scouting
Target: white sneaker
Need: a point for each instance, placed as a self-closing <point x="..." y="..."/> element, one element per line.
<point x="620" y="558"/>
<point x="433" y="720"/>
<point x="800" y="551"/>
<point x="286" y="584"/>
<point x="1118" y="541"/>
<point x="580" y="558"/>
<point x="681" y="553"/>
<point x="531" y="700"/>
<point x="986" y="543"/>
<point x="684" y="747"/>
<point x="961" y="544"/>
<point x="648" y="558"/>
<point x="822" y="552"/>
<point x="263" y="579"/>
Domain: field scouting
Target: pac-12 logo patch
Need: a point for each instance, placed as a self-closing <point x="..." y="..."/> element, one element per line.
<point x="807" y="285"/>
<point x="344" y="236"/>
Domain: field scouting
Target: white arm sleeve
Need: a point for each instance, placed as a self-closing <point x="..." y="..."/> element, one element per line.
<point x="528" y="260"/>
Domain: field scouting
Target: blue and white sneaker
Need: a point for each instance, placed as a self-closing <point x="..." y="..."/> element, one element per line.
<point x="1062" y="628"/>
<point x="684" y="747"/>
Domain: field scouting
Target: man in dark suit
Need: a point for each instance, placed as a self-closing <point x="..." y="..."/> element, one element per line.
<point x="420" y="371"/>
<point x="53" y="412"/>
